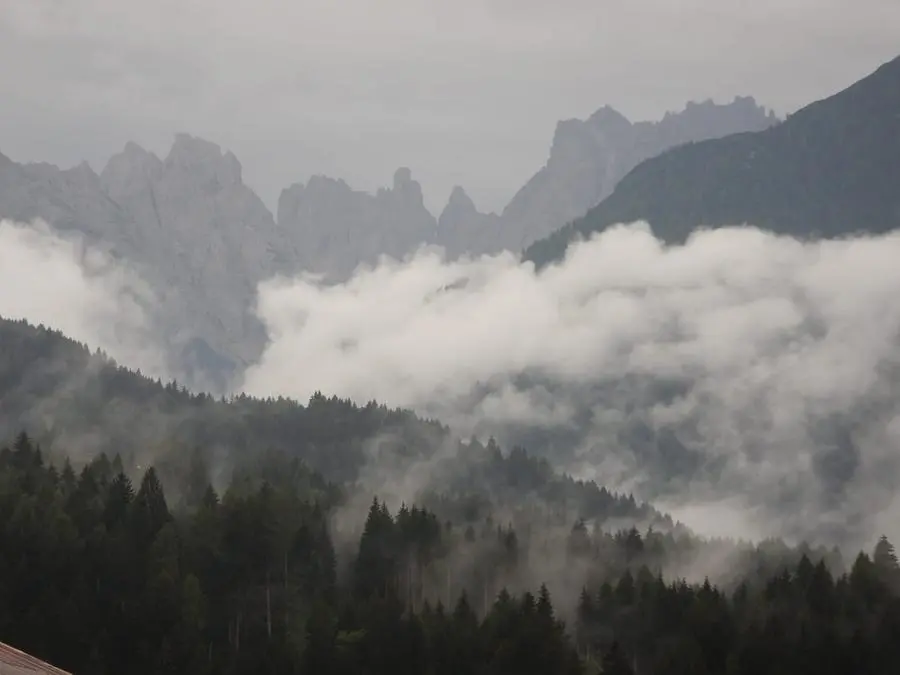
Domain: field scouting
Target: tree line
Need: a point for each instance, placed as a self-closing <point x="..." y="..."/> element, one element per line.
<point x="98" y="575"/>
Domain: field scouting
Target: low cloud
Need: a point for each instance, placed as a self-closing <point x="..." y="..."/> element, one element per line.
<point x="741" y="365"/>
<point x="80" y="291"/>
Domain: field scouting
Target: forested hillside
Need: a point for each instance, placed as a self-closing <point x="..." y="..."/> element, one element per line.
<point x="84" y="404"/>
<point x="829" y="170"/>
<point x="151" y="530"/>
<point x="101" y="577"/>
<point x="55" y="387"/>
<point x="202" y="239"/>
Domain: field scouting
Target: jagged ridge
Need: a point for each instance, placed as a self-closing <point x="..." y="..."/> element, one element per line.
<point x="829" y="170"/>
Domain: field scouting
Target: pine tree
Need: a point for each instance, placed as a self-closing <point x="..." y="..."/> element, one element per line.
<point x="149" y="509"/>
<point x="321" y="631"/>
<point x="615" y="662"/>
<point x="885" y="557"/>
<point x="118" y="500"/>
<point x="545" y="606"/>
<point x="197" y="479"/>
<point x="579" y="542"/>
<point x="584" y="617"/>
<point x="375" y="569"/>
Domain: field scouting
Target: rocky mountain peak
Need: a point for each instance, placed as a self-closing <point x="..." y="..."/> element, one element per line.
<point x="402" y="177"/>
<point x="459" y="206"/>
<point x="708" y="119"/>
<point x="334" y="228"/>
<point x="788" y="177"/>
<point x="134" y="151"/>
<point x="406" y="189"/>
<point x="609" y="118"/>
<point x="589" y="157"/>
<point x="462" y="229"/>
<point x="132" y="163"/>
<point x="204" y="160"/>
<point x="84" y="173"/>
<point x="204" y="239"/>
<point x="575" y="139"/>
<point x="321" y="183"/>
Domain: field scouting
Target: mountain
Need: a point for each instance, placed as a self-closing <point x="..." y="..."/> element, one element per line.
<point x="55" y="388"/>
<point x="108" y="574"/>
<point x="830" y="169"/>
<point x="135" y="567"/>
<point x="589" y="157"/>
<point x="463" y="229"/>
<point x="334" y="229"/>
<point x="203" y="240"/>
<point x="104" y="560"/>
<point x="187" y="224"/>
<point x="198" y="231"/>
<point x="85" y="404"/>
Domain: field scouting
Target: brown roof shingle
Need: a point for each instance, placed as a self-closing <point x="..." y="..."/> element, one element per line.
<point x="16" y="662"/>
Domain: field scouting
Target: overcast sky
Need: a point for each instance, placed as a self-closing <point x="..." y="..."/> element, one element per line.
<point x="461" y="91"/>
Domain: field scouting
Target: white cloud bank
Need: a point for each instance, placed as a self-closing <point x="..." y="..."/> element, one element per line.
<point x="464" y="92"/>
<point x="781" y="357"/>
<point x="77" y="290"/>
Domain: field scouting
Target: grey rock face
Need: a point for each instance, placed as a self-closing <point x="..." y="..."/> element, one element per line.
<point x="334" y="229"/>
<point x="187" y="224"/>
<point x="71" y="199"/>
<point x="463" y="229"/>
<point x="588" y="157"/>
<point x="203" y="240"/>
<point x="207" y="236"/>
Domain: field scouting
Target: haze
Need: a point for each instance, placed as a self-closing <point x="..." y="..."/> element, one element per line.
<point x="464" y="93"/>
<point x="767" y="341"/>
<point x="494" y="336"/>
<point x="77" y="290"/>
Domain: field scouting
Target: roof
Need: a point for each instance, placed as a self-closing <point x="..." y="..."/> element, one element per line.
<point x="17" y="662"/>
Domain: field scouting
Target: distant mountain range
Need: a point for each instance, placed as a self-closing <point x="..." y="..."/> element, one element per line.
<point x="336" y="228"/>
<point x="831" y="169"/>
<point x="589" y="157"/>
<point x="81" y="403"/>
<point x="203" y="239"/>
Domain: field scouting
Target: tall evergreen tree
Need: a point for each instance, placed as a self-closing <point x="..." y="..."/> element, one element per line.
<point x="615" y="662"/>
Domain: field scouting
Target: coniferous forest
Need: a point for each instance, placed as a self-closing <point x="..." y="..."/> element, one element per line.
<point x="100" y="575"/>
<point x="146" y="529"/>
<point x="713" y="338"/>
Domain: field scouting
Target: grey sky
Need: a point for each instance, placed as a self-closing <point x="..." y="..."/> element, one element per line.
<point x="461" y="91"/>
<point x="762" y="332"/>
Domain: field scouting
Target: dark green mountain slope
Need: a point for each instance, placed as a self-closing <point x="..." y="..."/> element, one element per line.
<point x="56" y="388"/>
<point x="99" y="575"/>
<point x="84" y="404"/>
<point x="831" y="169"/>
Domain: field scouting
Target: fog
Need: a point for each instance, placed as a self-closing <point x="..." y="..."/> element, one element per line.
<point x="78" y="290"/>
<point x="743" y="382"/>
<point x="740" y="366"/>
<point x="465" y="93"/>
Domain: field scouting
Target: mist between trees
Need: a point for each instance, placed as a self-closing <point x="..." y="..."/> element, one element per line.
<point x="101" y="577"/>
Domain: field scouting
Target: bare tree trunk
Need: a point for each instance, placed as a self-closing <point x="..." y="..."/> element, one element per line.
<point x="237" y="633"/>
<point x="286" y="604"/>
<point x="409" y="582"/>
<point x="268" y="606"/>
<point x="417" y="585"/>
<point x="448" y="588"/>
